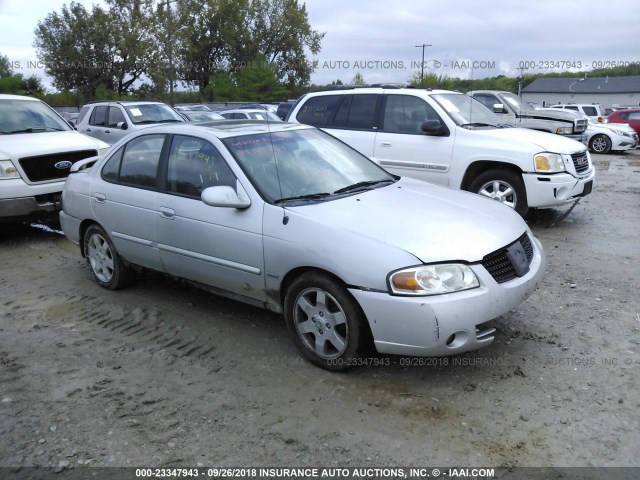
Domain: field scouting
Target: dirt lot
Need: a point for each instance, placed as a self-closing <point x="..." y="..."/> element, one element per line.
<point x="164" y="374"/>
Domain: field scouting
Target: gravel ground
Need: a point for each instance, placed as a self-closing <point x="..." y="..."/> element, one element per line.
<point x="164" y="374"/>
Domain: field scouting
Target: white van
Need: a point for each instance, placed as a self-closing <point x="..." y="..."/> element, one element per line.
<point x="451" y="139"/>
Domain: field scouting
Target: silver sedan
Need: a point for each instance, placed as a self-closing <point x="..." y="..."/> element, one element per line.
<point x="290" y="219"/>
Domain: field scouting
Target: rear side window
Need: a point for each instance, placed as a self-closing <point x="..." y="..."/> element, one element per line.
<point x="633" y="116"/>
<point x="590" y="111"/>
<point x="362" y="113"/>
<point x="136" y="163"/>
<point x="317" y="111"/>
<point x="99" y="116"/>
<point x="83" y="113"/>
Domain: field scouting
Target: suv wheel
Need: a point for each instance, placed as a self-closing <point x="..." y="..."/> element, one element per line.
<point x="504" y="186"/>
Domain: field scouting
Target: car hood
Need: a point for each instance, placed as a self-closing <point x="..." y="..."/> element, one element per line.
<point x="42" y="143"/>
<point x="548" y="114"/>
<point x="543" y="141"/>
<point x="612" y="126"/>
<point x="431" y="222"/>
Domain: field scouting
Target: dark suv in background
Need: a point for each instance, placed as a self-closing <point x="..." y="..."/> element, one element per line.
<point x="110" y="121"/>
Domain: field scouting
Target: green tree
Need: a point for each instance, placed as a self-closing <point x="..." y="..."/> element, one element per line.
<point x="258" y="81"/>
<point x="109" y="48"/>
<point x="16" y="83"/>
<point x="358" y="80"/>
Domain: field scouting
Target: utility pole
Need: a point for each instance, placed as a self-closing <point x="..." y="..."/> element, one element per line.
<point x="522" y="69"/>
<point x="422" y="64"/>
<point x="170" y="52"/>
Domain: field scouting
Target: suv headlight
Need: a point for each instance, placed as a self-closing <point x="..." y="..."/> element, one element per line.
<point x="8" y="170"/>
<point x="564" y="130"/>
<point x="433" y="279"/>
<point x="546" y="162"/>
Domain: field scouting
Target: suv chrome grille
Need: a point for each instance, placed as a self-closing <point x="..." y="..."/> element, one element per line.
<point x="581" y="125"/>
<point x="53" y="166"/>
<point x="580" y="161"/>
<point x="499" y="265"/>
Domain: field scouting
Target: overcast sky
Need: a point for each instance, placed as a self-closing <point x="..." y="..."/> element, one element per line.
<point x="378" y="38"/>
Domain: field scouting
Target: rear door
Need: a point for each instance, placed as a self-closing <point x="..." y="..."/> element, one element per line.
<point x="125" y="202"/>
<point x="402" y="148"/>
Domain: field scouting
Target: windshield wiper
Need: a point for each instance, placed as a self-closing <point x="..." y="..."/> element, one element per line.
<point x="309" y="196"/>
<point x="30" y="130"/>
<point x="362" y="185"/>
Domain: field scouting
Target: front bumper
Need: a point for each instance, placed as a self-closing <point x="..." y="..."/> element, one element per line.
<point x="544" y="191"/>
<point x="14" y="208"/>
<point x="446" y="324"/>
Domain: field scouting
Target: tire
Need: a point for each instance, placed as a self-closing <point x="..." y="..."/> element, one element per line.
<point x="107" y="268"/>
<point x="600" y="144"/>
<point x="325" y="322"/>
<point x="504" y="186"/>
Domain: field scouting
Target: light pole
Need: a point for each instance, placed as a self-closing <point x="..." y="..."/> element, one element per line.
<point x="422" y="64"/>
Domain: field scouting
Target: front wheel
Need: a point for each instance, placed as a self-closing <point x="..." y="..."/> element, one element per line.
<point x="107" y="268"/>
<point x="600" y="144"/>
<point x="503" y="186"/>
<point x="325" y="322"/>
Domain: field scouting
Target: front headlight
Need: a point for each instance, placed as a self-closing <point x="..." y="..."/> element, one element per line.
<point x="8" y="170"/>
<point x="433" y="279"/>
<point x="546" y="162"/>
<point x="564" y="130"/>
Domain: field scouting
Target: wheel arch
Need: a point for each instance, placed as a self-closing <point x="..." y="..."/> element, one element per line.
<point x="84" y="226"/>
<point x="479" y="166"/>
<point x="297" y="272"/>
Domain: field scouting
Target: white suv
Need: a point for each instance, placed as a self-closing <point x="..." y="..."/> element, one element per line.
<point x="111" y="121"/>
<point x="37" y="149"/>
<point x="594" y="111"/>
<point x="449" y="138"/>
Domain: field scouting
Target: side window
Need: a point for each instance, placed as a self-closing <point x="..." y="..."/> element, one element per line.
<point x="340" y="119"/>
<point x="195" y="164"/>
<point x="115" y="116"/>
<point x="140" y="161"/>
<point x="83" y="113"/>
<point x="318" y="110"/>
<point x="487" y="100"/>
<point x="362" y="114"/>
<point x="590" y="111"/>
<point x="98" y="116"/>
<point x="575" y="109"/>
<point x="406" y="113"/>
<point x="633" y="116"/>
<point x="111" y="169"/>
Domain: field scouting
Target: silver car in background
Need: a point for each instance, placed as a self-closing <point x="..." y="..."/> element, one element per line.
<point x="288" y="218"/>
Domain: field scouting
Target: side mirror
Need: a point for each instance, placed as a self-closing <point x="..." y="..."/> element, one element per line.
<point x="434" y="127"/>
<point x="122" y="125"/>
<point x="499" y="108"/>
<point x="225" y="196"/>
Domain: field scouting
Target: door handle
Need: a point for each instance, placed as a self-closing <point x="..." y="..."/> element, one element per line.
<point x="385" y="144"/>
<point x="99" y="197"/>
<point x="107" y="131"/>
<point x="167" y="213"/>
<point x="88" y="130"/>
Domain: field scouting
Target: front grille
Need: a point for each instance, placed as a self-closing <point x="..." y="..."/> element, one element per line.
<point x="43" y="167"/>
<point x="580" y="161"/>
<point x="499" y="265"/>
<point x="581" y="125"/>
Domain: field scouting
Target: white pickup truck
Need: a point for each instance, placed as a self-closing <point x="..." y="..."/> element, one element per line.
<point x="512" y="111"/>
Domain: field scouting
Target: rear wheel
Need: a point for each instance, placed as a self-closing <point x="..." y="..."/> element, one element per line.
<point x="600" y="144"/>
<point x="325" y="322"/>
<point x="107" y="268"/>
<point x="503" y="186"/>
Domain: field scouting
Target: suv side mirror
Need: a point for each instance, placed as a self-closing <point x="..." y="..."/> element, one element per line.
<point x="122" y="125"/>
<point x="499" y="108"/>
<point x="434" y="127"/>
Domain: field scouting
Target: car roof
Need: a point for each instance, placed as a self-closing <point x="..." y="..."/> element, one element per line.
<point x="390" y="90"/>
<point x="225" y="128"/>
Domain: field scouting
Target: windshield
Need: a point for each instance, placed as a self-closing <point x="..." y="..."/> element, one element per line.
<point x="152" y="113"/>
<point x="466" y="111"/>
<point x="514" y="102"/>
<point x="28" y="116"/>
<point x="304" y="166"/>
<point x="202" y="116"/>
